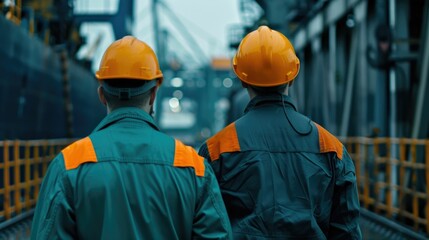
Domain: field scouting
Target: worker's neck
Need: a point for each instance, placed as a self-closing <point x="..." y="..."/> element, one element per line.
<point x="147" y="108"/>
<point x="253" y="94"/>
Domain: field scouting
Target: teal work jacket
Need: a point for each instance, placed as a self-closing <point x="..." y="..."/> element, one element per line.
<point x="284" y="177"/>
<point x="127" y="180"/>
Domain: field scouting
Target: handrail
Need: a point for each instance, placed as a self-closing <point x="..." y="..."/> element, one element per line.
<point x="389" y="172"/>
<point x="404" y="199"/>
<point x="23" y="165"/>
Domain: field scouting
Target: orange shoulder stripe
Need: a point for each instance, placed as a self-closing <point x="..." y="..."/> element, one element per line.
<point x="329" y="143"/>
<point x="225" y="141"/>
<point x="78" y="153"/>
<point x="185" y="156"/>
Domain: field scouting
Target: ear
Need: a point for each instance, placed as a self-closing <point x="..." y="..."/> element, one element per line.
<point x="153" y="95"/>
<point x="101" y="96"/>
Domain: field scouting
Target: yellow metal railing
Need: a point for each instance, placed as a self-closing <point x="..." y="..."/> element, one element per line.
<point x="393" y="177"/>
<point x="22" y="168"/>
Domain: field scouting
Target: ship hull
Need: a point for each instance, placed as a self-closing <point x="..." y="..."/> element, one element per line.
<point x="33" y="98"/>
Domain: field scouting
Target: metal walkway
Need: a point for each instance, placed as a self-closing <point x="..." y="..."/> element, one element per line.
<point x="373" y="227"/>
<point x="18" y="227"/>
<point x="377" y="227"/>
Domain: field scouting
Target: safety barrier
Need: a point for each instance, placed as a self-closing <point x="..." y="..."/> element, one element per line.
<point x="22" y="168"/>
<point x="393" y="178"/>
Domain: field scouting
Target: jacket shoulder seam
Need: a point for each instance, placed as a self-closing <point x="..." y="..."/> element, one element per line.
<point x="225" y="141"/>
<point x="328" y="142"/>
<point x="185" y="156"/>
<point x="79" y="152"/>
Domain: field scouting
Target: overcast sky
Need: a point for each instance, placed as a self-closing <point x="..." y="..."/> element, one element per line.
<point x="206" y="21"/>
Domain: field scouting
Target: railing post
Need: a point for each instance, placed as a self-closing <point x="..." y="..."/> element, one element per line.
<point x="414" y="184"/>
<point x="27" y="176"/>
<point x="6" y="180"/>
<point x="389" y="185"/>
<point x="376" y="185"/>
<point x="36" y="172"/>
<point x="17" y="184"/>
<point x="358" y="165"/>
<point x="401" y="175"/>
<point x="427" y="184"/>
<point x="44" y="158"/>
<point x="366" y="178"/>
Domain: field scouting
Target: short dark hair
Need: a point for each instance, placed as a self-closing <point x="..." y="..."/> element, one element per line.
<point x="115" y="102"/>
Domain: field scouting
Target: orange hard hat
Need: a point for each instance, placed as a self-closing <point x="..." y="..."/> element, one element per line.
<point x="129" y="58"/>
<point x="265" y="58"/>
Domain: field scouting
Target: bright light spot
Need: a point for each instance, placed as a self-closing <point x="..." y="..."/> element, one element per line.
<point x="178" y="94"/>
<point x="350" y="22"/>
<point x="179" y="117"/>
<point x="174" y="105"/>
<point x="227" y="82"/>
<point x="176" y="82"/>
<point x="174" y="102"/>
<point x="176" y="110"/>
<point x="222" y="104"/>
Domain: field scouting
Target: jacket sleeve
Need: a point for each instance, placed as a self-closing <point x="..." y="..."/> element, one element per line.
<point x="54" y="217"/>
<point x="344" y="222"/>
<point x="211" y="219"/>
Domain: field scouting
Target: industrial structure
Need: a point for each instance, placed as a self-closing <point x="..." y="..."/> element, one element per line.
<point x="364" y="76"/>
<point x="364" y="62"/>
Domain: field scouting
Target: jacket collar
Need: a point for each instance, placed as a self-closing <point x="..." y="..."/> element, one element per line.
<point x="126" y="112"/>
<point x="270" y="99"/>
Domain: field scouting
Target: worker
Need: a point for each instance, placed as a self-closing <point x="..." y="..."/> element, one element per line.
<point x="281" y="175"/>
<point x="127" y="180"/>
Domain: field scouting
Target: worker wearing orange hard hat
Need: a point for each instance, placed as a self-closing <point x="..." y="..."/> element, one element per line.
<point x="281" y="175"/>
<point x="127" y="180"/>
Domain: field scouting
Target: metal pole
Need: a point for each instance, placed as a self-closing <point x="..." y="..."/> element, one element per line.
<point x="362" y="92"/>
<point x="332" y="71"/>
<point x="299" y="84"/>
<point x="420" y="131"/>
<point x="392" y="105"/>
<point x="157" y="34"/>
<point x="350" y="81"/>
<point x="160" y="54"/>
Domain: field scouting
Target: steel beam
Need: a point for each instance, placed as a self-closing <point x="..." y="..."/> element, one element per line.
<point x="362" y="82"/>
<point x="351" y="69"/>
<point x="332" y="90"/>
<point x="121" y="21"/>
<point x="160" y="48"/>
<point x="421" y="118"/>
<point x="328" y="16"/>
